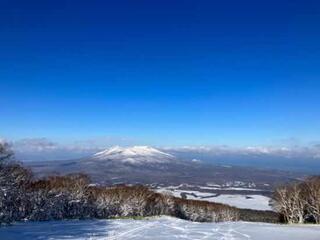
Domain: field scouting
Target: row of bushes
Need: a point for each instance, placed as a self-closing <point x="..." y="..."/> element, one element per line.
<point x="73" y="197"/>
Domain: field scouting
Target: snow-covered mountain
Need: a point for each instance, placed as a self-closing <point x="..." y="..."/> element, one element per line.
<point x="148" y="165"/>
<point x="134" y="155"/>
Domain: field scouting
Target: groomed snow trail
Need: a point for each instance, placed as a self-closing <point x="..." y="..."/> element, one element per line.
<point x="157" y="229"/>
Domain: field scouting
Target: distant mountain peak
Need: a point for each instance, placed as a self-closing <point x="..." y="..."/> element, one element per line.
<point x="135" y="154"/>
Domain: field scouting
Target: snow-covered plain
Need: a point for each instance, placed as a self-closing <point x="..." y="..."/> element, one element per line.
<point x="254" y="201"/>
<point x="257" y="202"/>
<point x="156" y="228"/>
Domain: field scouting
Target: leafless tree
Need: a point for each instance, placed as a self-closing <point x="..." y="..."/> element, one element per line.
<point x="5" y="152"/>
<point x="312" y="188"/>
<point x="13" y="179"/>
<point x="290" y="202"/>
<point x="299" y="202"/>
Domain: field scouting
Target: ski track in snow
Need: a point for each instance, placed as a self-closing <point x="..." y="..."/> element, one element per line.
<point x="158" y="228"/>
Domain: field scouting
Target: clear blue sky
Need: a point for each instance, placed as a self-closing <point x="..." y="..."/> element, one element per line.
<point x="163" y="72"/>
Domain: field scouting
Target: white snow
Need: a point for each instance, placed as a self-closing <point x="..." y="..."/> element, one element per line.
<point x="257" y="202"/>
<point x="159" y="228"/>
<point x="254" y="201"/>
<point x="136" y="154"/>
<point x="232" y="188"/>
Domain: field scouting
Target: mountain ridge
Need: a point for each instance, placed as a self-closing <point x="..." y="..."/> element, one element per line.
<point x="147" y="165"/>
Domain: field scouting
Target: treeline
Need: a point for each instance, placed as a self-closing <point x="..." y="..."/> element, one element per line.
<point x="299" y="202"/>
<point x="72" y="197"/>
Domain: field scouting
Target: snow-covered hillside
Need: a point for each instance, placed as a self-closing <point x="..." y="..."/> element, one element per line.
<point x="135" y="155"/>
<point x="156" y="228"/>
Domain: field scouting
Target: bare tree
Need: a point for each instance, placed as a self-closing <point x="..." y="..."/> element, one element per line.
<point x="290" y="202"/>
<point x="299" y="202"/>
<point x="5" y="152"/>
<point x="13" y="179"/>
<point x="312" y="187"/>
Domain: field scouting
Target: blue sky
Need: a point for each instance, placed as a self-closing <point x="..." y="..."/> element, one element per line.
<point x="161" y="72"/>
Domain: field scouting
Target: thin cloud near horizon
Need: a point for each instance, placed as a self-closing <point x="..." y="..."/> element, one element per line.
<point x="29" y="148"/>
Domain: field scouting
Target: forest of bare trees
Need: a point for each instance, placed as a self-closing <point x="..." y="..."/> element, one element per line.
<point x="299" y="202"/>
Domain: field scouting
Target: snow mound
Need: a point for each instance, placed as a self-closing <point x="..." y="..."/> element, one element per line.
<point x="136" y="155"/>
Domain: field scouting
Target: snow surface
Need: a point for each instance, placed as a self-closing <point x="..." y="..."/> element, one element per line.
<point x="232" y="188"/>
<point x="136" y="154"/>
<point x="255" y="201"/>
<point x="157" y="229"/>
